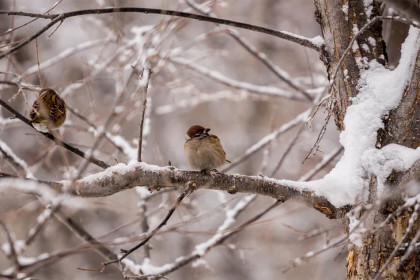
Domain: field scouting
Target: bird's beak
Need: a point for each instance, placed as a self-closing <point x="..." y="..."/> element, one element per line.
<point x="206" y="130"/>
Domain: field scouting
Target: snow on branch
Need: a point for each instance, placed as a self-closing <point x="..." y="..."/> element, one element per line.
<point x="218" y="77"/>
<point x="380" y="90"/>
<point x="7" y="153"/>
<point x="125" y="176"/>
<point x="66" y="53"/>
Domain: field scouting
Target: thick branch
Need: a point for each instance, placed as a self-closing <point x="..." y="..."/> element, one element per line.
<point x="121" y="177"/>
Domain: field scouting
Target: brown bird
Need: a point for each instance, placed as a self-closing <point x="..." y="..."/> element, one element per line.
<point x="203" y="150"/>
<point x="48" y="111"/>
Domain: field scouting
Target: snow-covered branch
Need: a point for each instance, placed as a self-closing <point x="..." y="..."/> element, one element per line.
<point x="217" y="76"/>
<point x="125" y="176"/>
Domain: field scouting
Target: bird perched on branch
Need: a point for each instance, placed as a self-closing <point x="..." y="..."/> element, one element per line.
<point x="203" y="150"/>
<point x="48" y="111"/>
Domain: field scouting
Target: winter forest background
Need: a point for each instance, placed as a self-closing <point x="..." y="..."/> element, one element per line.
<point x="284" y="107"/>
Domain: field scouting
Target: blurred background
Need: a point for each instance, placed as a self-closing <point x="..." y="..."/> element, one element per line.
<point x="201" y="74"/>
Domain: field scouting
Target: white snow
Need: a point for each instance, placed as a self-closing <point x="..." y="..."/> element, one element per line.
<point x="380" y="91"/>
<point x="317" y="40"/>
<point x="391" y="157"/>
<point x="202" y="248"/>
<point x="365" y="47"/>
<point x="412" y="200"/>
<point x="147" y="268"/>
<point x="356" y="228"/>
<point x="120" y="168"/>
<point x="215" y="75"/>
<point x="129" y="151"/>
<point x="372" y="41"/>
<point x="6" y="149"/>
<point x="345" y="9"/>
<point x="368" y="7"/>
<point x="28" y="186"/>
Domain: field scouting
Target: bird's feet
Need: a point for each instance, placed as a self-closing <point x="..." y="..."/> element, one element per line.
<point x="209" y="171"/>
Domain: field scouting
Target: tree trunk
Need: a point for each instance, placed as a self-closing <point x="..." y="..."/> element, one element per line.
<point x="339" y="20"/>
<point x="338" y="25"/>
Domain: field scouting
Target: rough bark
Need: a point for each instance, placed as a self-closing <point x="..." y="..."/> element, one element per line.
<point x="338" y="28"/>
<point x="401" y="127"/>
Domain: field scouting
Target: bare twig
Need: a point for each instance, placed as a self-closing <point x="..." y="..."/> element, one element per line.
<point x="361" y="31"/>
<point x="259" y="55"/>
<point x="66" y="53"/>
<point x="218" y="77"/>
<point x="16" y="162"/>
<point x="147" y="74"/>
<point x="405" y="7"/>
<point x="37" y="62"/>
<point x="55" y="18"/>
<point x="91" y="124"/>
<point x="190" y="187"/>
<point x="325" y="161"/>
<point x="84" y="235"/>
<point x="288" y="149"/>
<point x="42" y="220"/>
<point x="411" y="223"/>
<point x="269" y="138"/>
<point x="25" y="24"/>
<point x="12" y="250"/>
<point x="51" y="137"/>
<point x="215" y="241"/>
<point x="338" y="241"/>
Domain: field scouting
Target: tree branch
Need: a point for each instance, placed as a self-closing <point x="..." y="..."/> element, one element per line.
<point x="148" y="73"/>
<point x="55" y="18"/>
<point x="66" y="146"/>
<point x="121" y="177"/>
<point x="186" y="192"/>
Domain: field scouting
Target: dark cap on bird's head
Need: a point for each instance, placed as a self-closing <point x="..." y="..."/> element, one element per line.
<point x="48" y="90"/>
<point x="196" y="131"/>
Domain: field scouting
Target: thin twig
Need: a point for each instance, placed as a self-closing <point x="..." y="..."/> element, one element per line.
<point x="288" y="149"/>
<point x="361" y="31"/>
<point x="390" y="258"/>
<point x="43" y="218"/>
<point x="220" y="78"/>
<point x="91" y="124"/>
<point x="180" y="262"/>
<point x="37" y="62"/>
<point x="325" y="161"/>
<point x="12" y="250"/>
<point x="268" y="139"/>
<point x="282" y="75"/>
<point x="185" y="193"/>
<point x="83" y="234"/>
<point x="147" y="73"/>
<point x="51" y="137"/>
<point x="26" y="23"/>
<point x="60" y="17"/>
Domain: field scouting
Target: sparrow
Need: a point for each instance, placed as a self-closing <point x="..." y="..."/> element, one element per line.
<point x="203" y="150"/>
<point x="48" y="111"/>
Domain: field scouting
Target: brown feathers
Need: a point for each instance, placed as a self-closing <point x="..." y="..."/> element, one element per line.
<point x="202" y="150"/>
<point x="48" y="111"/>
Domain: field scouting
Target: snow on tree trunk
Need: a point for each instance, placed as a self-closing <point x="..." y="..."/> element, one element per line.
<point x="375" y="253"/>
